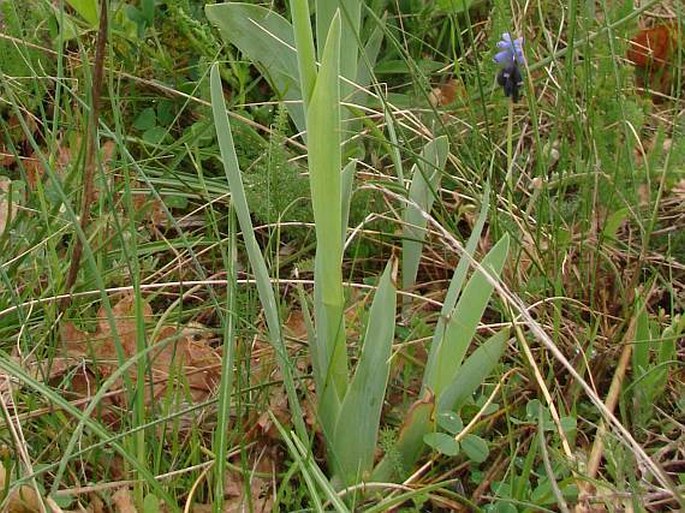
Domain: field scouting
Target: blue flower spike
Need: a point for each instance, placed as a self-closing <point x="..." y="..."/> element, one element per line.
<point x="510" y="58"/>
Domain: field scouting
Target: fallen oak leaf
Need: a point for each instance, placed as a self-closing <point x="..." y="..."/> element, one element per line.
<point x="188" y="352"/>
<point x="182" y="358"/>
<point x="653" y="47"/>
<point x="651" y="52"/>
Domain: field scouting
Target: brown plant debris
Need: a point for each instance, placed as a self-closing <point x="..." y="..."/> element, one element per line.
<point x="182" y="358"/>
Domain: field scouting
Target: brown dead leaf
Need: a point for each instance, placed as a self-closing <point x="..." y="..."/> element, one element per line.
<point x="295" y="326"/>
<point x="150" y="208"/>
<point x="446" y="93"/>
<point x="6" y="158"/>
<point x="260" y="496"/>
<point x="653" y="47"/>
<point x="23" y="499"/>
<point x="35" y="171"/>
<point x="184" y="357"/>
<point x="96" y="504"/>
<point x="123" y="501"/>
<point x="236" y="496"/>
<point x="16" y="132"/>
<point x="651" y="52"/>
<point x="278" y="405"/>
<point x="189" y="353"/>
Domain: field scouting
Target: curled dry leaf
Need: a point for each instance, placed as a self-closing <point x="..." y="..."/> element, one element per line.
<point x="184" y="359"/>
<point x="446" y="93"/>
<point x="651" y="52"/>
<point x="653" y="47"/>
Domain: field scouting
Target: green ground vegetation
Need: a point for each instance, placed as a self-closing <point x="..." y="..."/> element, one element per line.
<point x="354" y="280"/>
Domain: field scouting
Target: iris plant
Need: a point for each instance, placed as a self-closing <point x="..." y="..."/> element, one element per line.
<point x="510" y="59"/>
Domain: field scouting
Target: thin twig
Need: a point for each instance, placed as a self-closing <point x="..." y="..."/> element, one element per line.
<point x="91" y="153"/>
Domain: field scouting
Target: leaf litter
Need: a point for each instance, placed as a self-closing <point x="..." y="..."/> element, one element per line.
<point x="184" y="358"/>
<point x="182" y="362"/>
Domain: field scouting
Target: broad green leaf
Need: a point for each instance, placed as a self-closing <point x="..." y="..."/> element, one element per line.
<point x="450" y="422"/>
<point x="462" y="322"/>
<point x="145" y="120"/>
<point x="443" y="443"/>
<point x="150" y="504"/>
<point x="267" y="39"/>
<point x="346" y="192"/>
<point x="350" y="15"/>
<point x="87" y="9"/>
<point x="464" y="380"/>
<point x="667" y="348"/>
<point x="324" y="160"/>
<point x="568" y="424"/>
<point x="304" y="42"/>
<point x="427" y="173"/>
<point x="356" y="431"/>
<point x="475" y="369"/>
<point x="475" y="448"/>
<point x="368" y="60"/>
<point x="417" y="423"/>
<point x="325" y="178"/>
<point x="504" y="507"/>
<point x="614" y="222"/>
<point x="453" y="291"/>
<point x="155" y="135"/>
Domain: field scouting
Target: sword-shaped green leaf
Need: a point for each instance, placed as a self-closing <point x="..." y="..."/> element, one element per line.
<point x="356" y="432"/>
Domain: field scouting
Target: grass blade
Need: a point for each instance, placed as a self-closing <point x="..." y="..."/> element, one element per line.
<point x="264" y="288"/>
<point x="85" y="420"/>
<point x="226" y="385"/>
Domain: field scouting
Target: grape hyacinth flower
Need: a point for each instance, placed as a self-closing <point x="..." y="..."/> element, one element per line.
<point x="510" y="57"/>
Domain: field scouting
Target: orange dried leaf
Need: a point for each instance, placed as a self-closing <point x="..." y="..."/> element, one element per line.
<point x="652" y="47"/>
<point x="446" y="93"/>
